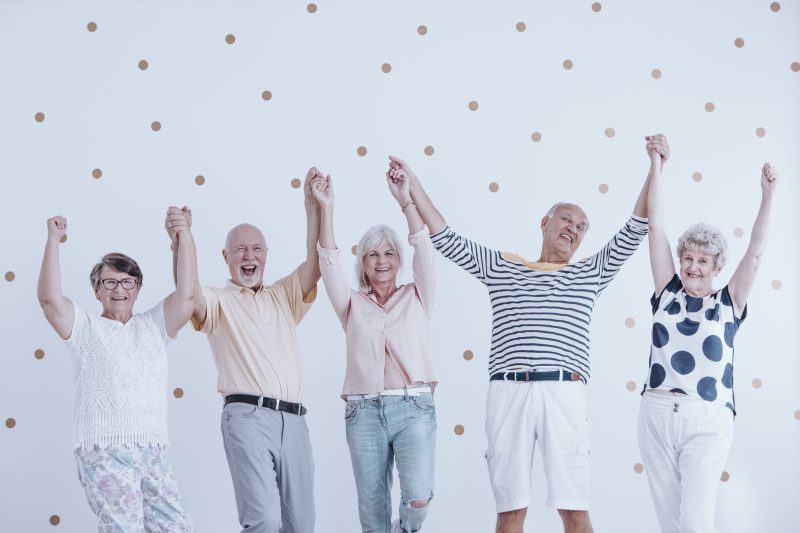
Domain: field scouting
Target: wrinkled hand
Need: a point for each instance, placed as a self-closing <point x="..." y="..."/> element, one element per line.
<point x="398" y="184"/>
<point x="322" y="189"/>
<point x="769" y="178"/>
<point x="56" y="228"/>
<point x="177" y="220"/>
<point x="310" y="175"/>
<point x="657" y="144"/>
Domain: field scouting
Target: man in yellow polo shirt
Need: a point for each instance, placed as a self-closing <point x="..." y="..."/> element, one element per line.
<point x="251" y="330"/>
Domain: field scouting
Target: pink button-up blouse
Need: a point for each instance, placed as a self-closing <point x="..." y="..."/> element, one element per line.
<point x="399" y="328"/>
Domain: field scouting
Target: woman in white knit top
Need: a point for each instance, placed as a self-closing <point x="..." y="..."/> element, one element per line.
<point x="120" y="369"/>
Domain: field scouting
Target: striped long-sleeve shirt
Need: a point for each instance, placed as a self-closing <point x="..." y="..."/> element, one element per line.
<point x="541" y="315"/>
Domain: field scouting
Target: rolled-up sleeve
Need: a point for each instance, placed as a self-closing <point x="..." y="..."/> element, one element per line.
<point x="424" y="267"/>
<point x="335" y="284"/>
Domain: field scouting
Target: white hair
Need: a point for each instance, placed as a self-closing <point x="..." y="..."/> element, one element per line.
<point x="371" y="240"/>
<point x="707" y="239"/>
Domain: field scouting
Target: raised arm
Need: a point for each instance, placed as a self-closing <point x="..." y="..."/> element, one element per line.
<point x="309" y="269"/>
<point x="742" y="280"/>
<point x="423" y="205"/>
<point x="176" y="220"/>
<point x="661" y="261"/>
<point x="399" y="186"/>
<point x="58" y="310"/>
<point x="179" y="306"/>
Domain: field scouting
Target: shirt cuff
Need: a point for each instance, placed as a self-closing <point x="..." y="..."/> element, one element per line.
<point x="420" y="236"/>
<point x="330" y="257"/>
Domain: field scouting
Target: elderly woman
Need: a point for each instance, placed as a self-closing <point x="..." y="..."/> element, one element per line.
<point x="687" y="410"/>
<point x="119" y="363"/>
<point x="389" y="381"/>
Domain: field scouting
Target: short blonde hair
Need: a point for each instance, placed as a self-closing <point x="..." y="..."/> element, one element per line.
<point x="370" y="241"/>
<point x="706" y="239"/>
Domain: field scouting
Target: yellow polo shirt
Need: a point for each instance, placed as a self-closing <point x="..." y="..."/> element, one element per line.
<point x="253" y="338"/>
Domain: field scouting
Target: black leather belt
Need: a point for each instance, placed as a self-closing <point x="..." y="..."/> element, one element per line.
<point x="268" y="403"/>
<point x="550" y="375"/>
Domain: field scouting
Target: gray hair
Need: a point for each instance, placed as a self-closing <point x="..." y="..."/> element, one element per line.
<point x="118" y="262"/>
<point x="707" y="239"/>
<point x="553" y="209"/>
<point x="370" y="241"/>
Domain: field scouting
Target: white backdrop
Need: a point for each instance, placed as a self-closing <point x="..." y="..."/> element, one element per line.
<point x="564" y="92"/>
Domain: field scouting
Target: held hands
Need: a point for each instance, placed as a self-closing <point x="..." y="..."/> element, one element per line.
<point x="321" y="188"/>
<point x="657" y="146"/>
<point x="177" y="220"/>
<point x="398" y="177"/>
<point x="56" y="228"/>
<point x="769" y="178"/>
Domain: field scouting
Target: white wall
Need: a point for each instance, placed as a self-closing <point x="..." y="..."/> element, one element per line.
<point x="330" y="96"/>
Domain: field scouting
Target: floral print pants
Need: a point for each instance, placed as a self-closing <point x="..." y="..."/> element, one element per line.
<point x="131" y="489"/>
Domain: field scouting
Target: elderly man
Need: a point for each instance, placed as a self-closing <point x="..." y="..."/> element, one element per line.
<point x="251" y="330"/>
<point x="539" y="358"/>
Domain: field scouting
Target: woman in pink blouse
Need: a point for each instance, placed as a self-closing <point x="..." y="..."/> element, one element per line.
<point x="389" y="381"/>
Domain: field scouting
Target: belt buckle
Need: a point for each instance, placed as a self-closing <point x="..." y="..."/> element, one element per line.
<point x="260" y="402"/>
<point x="277" y="404"/>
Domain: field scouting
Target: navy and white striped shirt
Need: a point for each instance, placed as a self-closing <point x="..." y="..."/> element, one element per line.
<point x="540" y="319"/>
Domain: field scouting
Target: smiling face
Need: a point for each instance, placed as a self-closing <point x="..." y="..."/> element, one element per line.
<point x="246" y="254"/>
<point x="698" y="270"/>
<point x="381" y="265"/>
<point x="117" y="302"/>
<point x="563" y="232"/>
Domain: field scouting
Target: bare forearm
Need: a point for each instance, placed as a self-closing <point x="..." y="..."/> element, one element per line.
<point x="185" y="266"/>
<point x="326" y="236"/>
<point x="49" y="287"/>
<point x="642" y="207"/>
<point x="425" y="208"/>
<point x="758" y="237"/>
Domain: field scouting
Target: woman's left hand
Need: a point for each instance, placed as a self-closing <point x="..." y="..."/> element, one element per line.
<point x="398" y="184"/>
<point x="769" y="178"/>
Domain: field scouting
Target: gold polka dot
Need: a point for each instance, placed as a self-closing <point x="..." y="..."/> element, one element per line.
<point x="631" y="385"/>
<point x="39" y="117"/>
<point x="596" y="7"/>
<point x="795" y="67"/>
<point x="266" y="96"/>
<point x="311" y="8"/>
<point x="697" y="176"/>
<point x="422" y="29"/>
<point x="429" y="150"/>
<point x="155" y="126"/>
<point x="39" y="354"/>
<point x="55" y="520"/>
<point x="797" y="415"/>
<point x="521" y="26"/>
<point x="178" y="392"/>
<point x="725" y="476"/>
<point x="610" y="132"/>
<point x="143" y="64"/>
<point x="468" y="355"/>
<point x="629" y="322"/>
<point x="200" y="179"/>
<point x="10" y="423"/>
<point x="536" y="136"/>
<point x="473" y="106"/>
<point x="567" y="64"/>
<point x="296" y="183"/>
<point x="638" y="468"/>
<point x="92" y="27"/>
<point x="63" y="238"/>
<point x="738" y="232"/>
<point x="362" y="151"/>
<point x="386" y="68"/>
<point x="603" y="188"/>
<point x="710" y="106"/>
<point x="776" y="284"/>
<point x="97" y="173"/>
<point x="354" y="249"/>
<point x="494" y="187"/>
<point x="230" y="38"/>
<point x="757" y="383"/>
<point x="760" y="132"/>
<point x="10" y="276"/>
<point x="738" y="42"/>
<point x="775" y="7"/>
<point x="655" y="73"/>
<point x="459" y="429"/>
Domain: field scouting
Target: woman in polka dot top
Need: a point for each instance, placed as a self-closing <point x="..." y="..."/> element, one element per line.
<point x="686" y="416"/>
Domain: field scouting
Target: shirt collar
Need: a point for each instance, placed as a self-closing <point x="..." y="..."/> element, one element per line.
<point x="231" y="286"/>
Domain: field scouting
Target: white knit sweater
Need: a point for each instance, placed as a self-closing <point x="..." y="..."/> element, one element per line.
<point x="120" y="373"/>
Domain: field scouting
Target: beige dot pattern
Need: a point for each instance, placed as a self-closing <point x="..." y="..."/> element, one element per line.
<point x="295" y="183"/>
<point x="10" y="276"/>
<point x="697" y="176"/>
<point x="655" y="73"/>
<point x="603" y="188"/>
<point x="143" y="64"/>
<point x="459" y="429"/>
<point x="39" y="353"/>
<point x="468" y="355"/>
<point x="199" y="179"/>
<point x="63" y="238"/>
<point x="521" y="26"/>
<point x="230" y="38"/>
<point x="354" y="249"/>
<point x="362" y="151"/>
<point x="596" y="7"/>
<point x="473" y="105"/>
<point x="776" y="284"/>
<point x="422" y="29"/>
<point x="155" y="126"/>
<point x="638" y="468"/>
<point x="536" y="136"/>
<point x="775" y="7"/>
<point x="738" y="42"/>
<point x="567" y="64"/>
<point x="725" y="476"/>
<point x="757" y="383"/>
<point x="738" y="232"/>
<point x="266" y="96"/>
<point x="39" y="117"/>
<point x="796" y="66"/>
<point x="11" y="423"/>
<point x="386" y="68"/>
<point x="92" y="27"/>
<point x="311" y="8"/>
<point x="760" y="132"/>
<point x="610" y="132"/>
<point x="97" y="173"/>
<point x="178" y="392"/>
<point x="494" y="187"/>
<point x="797" y="415"/>
<point x="631" y="385"/>
<point x="710" y="106"/>
<point x="429" y="150"/>
<point x="55" y="520"/>
<point x="630" y="322"/>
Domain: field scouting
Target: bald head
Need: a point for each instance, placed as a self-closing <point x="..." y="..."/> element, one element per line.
<point x="244" y="232"/>
<point x="246" y="255"/>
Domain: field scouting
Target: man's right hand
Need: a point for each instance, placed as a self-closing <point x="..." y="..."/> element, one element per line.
<point x="56" y="228"/>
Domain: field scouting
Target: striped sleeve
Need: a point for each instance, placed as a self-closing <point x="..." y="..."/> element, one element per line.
<point x="621" y="246"/>
<point x="472" y="257"/>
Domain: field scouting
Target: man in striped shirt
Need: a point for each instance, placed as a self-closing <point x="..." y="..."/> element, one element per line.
<point x="539" y="358"/>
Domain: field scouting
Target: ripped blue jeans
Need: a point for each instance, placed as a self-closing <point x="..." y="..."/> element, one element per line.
<point x="383" y="430"/>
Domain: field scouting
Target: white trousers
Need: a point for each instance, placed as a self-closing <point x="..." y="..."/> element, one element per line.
<point x="684" y="444"/>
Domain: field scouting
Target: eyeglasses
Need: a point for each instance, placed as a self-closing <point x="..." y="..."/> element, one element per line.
<point x="111" y="284"/>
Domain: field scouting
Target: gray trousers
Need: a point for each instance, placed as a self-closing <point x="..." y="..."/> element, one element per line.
<point x="269" y="456"/>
